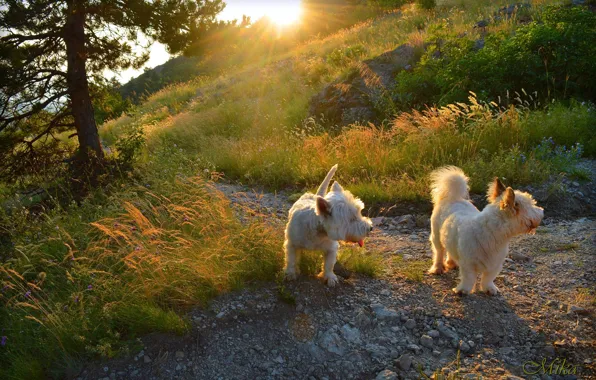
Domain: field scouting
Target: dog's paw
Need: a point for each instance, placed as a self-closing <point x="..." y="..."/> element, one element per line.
<point x="450" y="264"/>
<point x="436" y="269"/>
<point x="490" y="289"/>
<point x="330" y="279"/>
<point x="460" y="291"/>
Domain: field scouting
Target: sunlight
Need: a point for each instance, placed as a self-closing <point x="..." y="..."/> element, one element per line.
<point x="281" y="12"/>
<point x="284" y="14"/>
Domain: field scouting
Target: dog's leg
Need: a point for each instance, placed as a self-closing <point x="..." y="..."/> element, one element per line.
<point x="467" y="280"/>
<point x="290" y="270"/>
<point x="450" y="263"/>
<point x="487" y="281"/>
<point x="330" y="258"/>
<point x="438" y="254"/>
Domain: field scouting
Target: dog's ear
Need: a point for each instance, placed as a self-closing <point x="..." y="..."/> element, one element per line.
<point x="323" y="207"/>
<point x="508" y="201"/>
<point x="495" y="189"/>
<point x="336" y="187"/>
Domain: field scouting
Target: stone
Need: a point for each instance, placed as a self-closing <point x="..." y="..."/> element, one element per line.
<point x="426" y="341"/>
<point x="574" y="309"/>
<point x="350" y="334"/>
<point x="363" y="319"/>
<point x="410" y="324"/>
<point x="464" y="346"/>
<point x="519" y="257"/>
<point x="405" y="362"/>
<point x="386" y="375"/>
<point x="378" y="221"/>
<point x="434" y="334"/>
<point x="331" y="342"/>
<point x="179" y="355"/>
<point x="146" y="359"/>
<point x="382" y="313"/>
<point x="352" y="99"/>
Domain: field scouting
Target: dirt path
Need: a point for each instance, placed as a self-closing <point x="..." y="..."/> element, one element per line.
<point x="401" y="325"/>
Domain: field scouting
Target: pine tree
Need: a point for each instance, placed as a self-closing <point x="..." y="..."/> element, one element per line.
<point x="52" y="52"/>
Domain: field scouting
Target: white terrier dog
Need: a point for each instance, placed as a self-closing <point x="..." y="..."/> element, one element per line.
<point x="477" y="241"/>
<point x="318" y="221"/>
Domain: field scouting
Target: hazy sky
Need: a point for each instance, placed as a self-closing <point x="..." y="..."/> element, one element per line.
<point x="280" y="9"/>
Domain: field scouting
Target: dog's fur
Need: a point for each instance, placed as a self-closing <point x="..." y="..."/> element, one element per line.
<point x="318" y="221"/>
<point x="476" y="241"/>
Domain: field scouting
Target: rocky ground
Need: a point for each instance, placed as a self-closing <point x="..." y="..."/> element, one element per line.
<point x="403" y="325"/>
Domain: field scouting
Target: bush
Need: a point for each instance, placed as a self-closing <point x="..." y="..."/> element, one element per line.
<point x="426" y="4"/>
<point x="537" y="57"/>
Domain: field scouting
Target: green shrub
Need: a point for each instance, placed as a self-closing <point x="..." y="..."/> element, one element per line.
<point x="426" y="4"/>
<point x="536" y="57"/>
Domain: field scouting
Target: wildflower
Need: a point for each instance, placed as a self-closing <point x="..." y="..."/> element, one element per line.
<point x="28" y="294"/>
<point x="3" y="341"/>
<point x="89" y="287"/>
<point x="138" y="248"/>
<point x="76" y="299"/>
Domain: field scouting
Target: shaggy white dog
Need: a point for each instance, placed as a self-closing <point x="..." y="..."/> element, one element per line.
<point x="318" y="221"/>
<point x="477" y="241"/>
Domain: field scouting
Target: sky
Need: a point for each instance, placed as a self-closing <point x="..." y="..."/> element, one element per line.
<point x="282" y="11"/>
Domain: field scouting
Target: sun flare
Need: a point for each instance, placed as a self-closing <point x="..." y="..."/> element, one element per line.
<point x="284" y="14"/>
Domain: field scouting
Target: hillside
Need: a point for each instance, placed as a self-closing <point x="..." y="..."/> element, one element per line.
<point x="173" y="266"/>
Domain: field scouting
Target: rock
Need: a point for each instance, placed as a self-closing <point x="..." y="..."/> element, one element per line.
<point x="106" y="369"/>
<point x="363" y="319"/>
<point x="463" y="346"/>
<point x="179" y="355"/>
<point x="383" y="313"/>
<point x="178" y="367"/>
<point x="574" y="309"/>
<point x="279" y="359"/>
<point x="386" y="375"/>
<point x="220" y="315"/>
<point x="331" y="342"/>
<point x="447" y="332"/>
<point x="416" y="349"/>
<point x="345" y="102"/>
<point x="410" y="324"/>
<point x="377" y="221"/>
<point x="405" y="362"/>
<point x="519" y="257"/>
<point x="146" y="359"/>
<point x="434" y="334"/>
<point x="350" y="334"/>
<point x="426" y="341"/>
<point x="407" y="221"/>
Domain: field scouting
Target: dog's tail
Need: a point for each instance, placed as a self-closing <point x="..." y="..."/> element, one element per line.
<point x="448" y="183"/>
<point x="325" y="184"/>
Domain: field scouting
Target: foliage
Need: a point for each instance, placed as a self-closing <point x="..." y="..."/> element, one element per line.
<point x="368" y="263"/>
<point x="426" y="4"/>
<point x="535" y="57"/>
<point x="82" y="284"/>
<point x="53" y="55"/>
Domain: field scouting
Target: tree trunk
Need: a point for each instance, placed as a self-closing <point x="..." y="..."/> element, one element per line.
<point x="78" y="86"/>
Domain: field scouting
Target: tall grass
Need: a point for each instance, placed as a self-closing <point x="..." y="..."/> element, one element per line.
<point x="73" y="289"/>
<point x="250" y="124"/>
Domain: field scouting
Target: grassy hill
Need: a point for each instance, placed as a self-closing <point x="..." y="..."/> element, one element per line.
<point x="86" y="280"/>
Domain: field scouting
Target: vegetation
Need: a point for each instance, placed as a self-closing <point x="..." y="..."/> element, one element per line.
<point x="52" y="60"/>
<point x="82" y="278"/>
